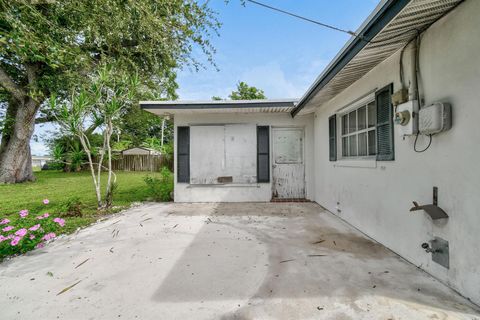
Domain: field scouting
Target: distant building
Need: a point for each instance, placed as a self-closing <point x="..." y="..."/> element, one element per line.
<point x="141" y="151"/>
<point x="40" y="161"/>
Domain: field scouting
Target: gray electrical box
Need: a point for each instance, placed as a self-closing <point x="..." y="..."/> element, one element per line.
<point x="435" y="118"/>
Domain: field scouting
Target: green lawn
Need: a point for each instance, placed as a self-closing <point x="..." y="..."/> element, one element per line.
<point x="58" y="187"/>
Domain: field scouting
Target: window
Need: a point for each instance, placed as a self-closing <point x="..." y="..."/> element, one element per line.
<point x="223" y="153"/>
<point x="358" y="128"/>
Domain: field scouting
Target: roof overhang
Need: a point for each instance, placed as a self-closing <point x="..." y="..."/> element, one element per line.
<point x="391" y="26"/>
<point x="219" y="106"/>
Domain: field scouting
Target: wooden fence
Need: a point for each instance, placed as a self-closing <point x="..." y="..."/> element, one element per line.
<point x="140" y="163"/>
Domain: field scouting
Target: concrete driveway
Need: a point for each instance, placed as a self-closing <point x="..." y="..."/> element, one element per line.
<point x="222" y="261"/>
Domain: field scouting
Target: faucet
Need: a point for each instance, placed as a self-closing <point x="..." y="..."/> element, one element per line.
<point x="428" y="249"/>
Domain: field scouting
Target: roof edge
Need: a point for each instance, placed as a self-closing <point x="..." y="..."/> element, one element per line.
<point x="208" y="104"/>
<point x="372" y="26"/>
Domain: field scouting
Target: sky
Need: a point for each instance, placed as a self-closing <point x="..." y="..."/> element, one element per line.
<point x="274" y="52"/>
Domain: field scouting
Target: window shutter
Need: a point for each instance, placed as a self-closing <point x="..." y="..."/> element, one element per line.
<point x="263" y="154"/>
<point x="332" y="137"/>
<point x="183" y="154"/>
<point x="385" y="146"/>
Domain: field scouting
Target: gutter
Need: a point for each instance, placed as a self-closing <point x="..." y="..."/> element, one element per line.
<point x="369" y="29"/>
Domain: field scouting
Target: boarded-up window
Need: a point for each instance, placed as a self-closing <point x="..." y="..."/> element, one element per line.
<point x="183" y="154"/>
<point x="223" y="154"/>
<point x="263" y="154"/>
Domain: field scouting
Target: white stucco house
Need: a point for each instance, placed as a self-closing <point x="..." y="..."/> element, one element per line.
<point x="393" y="119"/>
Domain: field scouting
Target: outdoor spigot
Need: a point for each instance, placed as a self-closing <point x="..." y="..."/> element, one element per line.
<point x="427" y="248"/>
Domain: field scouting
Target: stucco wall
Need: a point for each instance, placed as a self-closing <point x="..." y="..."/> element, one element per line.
<point x="185" y="192"/>
<point x="377" y="200"/>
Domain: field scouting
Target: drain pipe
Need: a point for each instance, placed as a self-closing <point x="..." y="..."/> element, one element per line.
<point x="413" y="89"/>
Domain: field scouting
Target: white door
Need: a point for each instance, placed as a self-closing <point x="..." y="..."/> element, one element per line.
<point x="288" y="164"/>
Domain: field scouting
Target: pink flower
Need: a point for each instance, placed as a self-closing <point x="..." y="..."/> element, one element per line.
<point x="2" y="238"/>
<point x="21" y="232"/>
<point x="10" y="236"/>
<point x="40" y="245"/>
<point x="60" y="221"/>
<point x="4" y="221"/>
<point x="46" y="201"/>
<point x="49" y="236"/>
<point x="43" y="216"/>
<point x="32" y="237"/>
<point x="15" y="241"/>
<point x="7" y="228"/>
<point x="23" y="213"/>
<point x="34" y="228"/>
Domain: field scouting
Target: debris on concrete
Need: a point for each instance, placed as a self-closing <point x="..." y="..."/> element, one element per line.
<point x="69" y="287"/>
<point x="82" y="263"/>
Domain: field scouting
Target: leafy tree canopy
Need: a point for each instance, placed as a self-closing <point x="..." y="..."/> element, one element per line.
<point x="53" y="46"/>
<point x="245" y="92"/>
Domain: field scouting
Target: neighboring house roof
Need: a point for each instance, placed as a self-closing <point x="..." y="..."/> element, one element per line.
<point x="219" y="106"/>
<point x="142" y="148"/>
<point x="392" y="25"/>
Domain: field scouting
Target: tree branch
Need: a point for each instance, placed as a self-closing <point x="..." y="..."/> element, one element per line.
<point x="10" y="86"/>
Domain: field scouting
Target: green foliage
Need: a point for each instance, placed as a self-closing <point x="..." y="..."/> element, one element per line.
<point x="245" y="92"/>
<point x="137" y="125"/>
<point x="72" y="207"/>
<point x="161" y="189"/>
<point x="76" y="157"/>
<point x="65" y="40"/>
<point x="152" y="143"/>
<point x="121" y="145"/>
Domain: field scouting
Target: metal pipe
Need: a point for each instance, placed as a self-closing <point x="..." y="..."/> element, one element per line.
<point x="412" y="90"/>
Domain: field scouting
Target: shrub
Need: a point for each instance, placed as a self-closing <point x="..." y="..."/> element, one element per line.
<point x="27" y="231"/>
<point x="72" y="207"/>
<point x="161" y="188"/>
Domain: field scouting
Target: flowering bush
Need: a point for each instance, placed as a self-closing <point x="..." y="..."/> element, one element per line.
<point x="27" y="231"/>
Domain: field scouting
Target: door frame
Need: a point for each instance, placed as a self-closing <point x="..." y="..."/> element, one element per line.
<point x="272" y="144"/>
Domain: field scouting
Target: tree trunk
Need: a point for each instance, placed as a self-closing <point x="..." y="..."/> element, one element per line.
<point x="15" y="154"/>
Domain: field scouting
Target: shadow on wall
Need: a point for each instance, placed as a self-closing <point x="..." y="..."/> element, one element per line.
<point x="261" y="251"/>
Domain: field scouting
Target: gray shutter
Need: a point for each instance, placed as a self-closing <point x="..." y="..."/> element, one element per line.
<point x="332" y="137"/>
<point x="385" y="143"/>
<point x="183" y="154"/>
<point x="263" y="154"/>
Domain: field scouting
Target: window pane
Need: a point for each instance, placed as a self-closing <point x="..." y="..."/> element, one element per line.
<point x="362" y="144"/>
<point x="362" y="118"/>
<point x="372" y="114"/>
<point x="344" y="124"/>
<point x="353" y="145"/>
<point x="372" y="143"/>
<point x="345" y="147"/>
<point x="352" y="121"/>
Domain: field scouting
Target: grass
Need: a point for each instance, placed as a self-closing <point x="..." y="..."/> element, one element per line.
<point x="59" y="187"/>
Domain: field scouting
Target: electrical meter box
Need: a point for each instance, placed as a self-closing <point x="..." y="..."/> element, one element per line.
<point x="406" y="117"/>
<point x="435" y="118"/>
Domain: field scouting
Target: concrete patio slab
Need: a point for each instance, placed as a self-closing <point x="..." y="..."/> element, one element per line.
<point x="222" y="261"/>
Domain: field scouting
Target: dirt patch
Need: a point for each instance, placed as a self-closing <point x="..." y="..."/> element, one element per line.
<point x="352" y="243"/>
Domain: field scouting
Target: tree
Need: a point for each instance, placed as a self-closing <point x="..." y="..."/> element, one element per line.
<point x="245" y="92"/>
<point x="109" y="94"/>
<point x="53" y="46"/>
